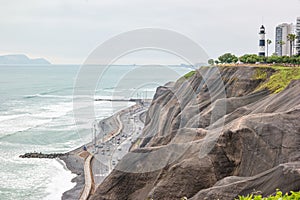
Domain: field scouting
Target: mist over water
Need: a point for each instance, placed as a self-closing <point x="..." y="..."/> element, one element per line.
<point x="36" y="115"/>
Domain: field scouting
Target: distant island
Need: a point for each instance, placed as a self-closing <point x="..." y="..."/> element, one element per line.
<point x="22" y="59"/>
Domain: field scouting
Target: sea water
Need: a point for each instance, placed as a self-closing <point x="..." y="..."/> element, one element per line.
<point x="36" y="116"/>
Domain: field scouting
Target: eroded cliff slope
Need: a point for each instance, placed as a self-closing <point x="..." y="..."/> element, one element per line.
<point x="219" y="133"/>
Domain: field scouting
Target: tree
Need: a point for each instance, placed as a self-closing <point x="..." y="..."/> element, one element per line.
<point x="293" y="60"/>
<point x="291" y="38"/>
<point x="228" y="58"/>
<point x="285" y="59"/>
<point x="251" y="58"/>
<point x="274" y="59"/>
<point x="211" y="61"/>
<point x="298" y="60"/>
<point x="281" y="43"/>
<point x="268" y="43"/>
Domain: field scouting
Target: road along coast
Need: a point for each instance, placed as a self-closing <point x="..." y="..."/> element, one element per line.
<point x="112" y="141"/>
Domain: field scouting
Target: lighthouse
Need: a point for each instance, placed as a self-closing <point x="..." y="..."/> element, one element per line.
<point x="262" y="41"/>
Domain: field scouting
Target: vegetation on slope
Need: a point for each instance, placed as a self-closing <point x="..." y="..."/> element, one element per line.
<point x="189" y="74"/>
<point x="278" y="196"/>
<point x="186" y="76"/>
<point x="279" y="80"/>
<point x="260" y="74"/>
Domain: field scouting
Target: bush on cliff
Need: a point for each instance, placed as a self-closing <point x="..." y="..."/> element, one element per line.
<point x="228" y="58"/>
<point x="274" y="59"/>
<point x="251" y="58"/>
<point x="278" y="196"/>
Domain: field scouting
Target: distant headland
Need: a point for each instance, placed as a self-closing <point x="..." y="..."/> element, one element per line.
<point x="22" y="59"/>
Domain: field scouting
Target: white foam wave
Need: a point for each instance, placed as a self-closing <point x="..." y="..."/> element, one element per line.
<point x="8" y="117"/>
<point x="60" y="181"/>
<point x="17" y="123"/>
<point x="49" y="96"/>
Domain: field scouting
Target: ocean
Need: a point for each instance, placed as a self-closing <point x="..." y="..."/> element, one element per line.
<point x="36" y="116"/>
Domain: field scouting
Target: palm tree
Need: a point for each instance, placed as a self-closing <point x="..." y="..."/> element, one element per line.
<point x="281" y="43"/>
<point x="268" y="43"/>
<point x="291" y="38"/>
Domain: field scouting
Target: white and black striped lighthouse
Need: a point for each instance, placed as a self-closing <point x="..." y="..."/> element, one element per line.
<point x="262" y="41"/>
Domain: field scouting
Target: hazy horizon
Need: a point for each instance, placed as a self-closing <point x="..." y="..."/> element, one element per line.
<point x="65" y="32"/>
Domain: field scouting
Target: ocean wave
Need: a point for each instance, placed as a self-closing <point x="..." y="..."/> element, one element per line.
<point x="61" y="181"/>
<point x="51" y="94"/>
<point x="11" y="124"/>
<point x="9" y="117"/>
<point x="56" y="90"/>
<point x="19" y="125"/>
<point x="48" y="96"/>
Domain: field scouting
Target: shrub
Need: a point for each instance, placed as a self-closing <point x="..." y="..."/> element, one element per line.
<point x="251" y="58"/>
<point x="228" y="58"/>
<point x="278" y="196"/>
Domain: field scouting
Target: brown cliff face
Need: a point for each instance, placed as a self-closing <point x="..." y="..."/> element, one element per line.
<point x="198" y="144"/>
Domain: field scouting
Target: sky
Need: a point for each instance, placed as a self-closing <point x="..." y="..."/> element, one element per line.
<point x="67" y="31"/>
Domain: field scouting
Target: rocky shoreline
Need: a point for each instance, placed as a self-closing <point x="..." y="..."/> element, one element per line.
<point x="75" y="164"/>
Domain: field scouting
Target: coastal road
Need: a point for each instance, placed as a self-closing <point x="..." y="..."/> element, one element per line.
<point x="131" y="131"/>
<point x="87" y="178"/>
<point x="116" y="146"/>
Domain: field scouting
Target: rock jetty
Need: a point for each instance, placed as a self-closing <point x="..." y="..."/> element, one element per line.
<point x="42" y="155"/>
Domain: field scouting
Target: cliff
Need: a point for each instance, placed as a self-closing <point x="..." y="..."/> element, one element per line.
<point x="215" y="137"/>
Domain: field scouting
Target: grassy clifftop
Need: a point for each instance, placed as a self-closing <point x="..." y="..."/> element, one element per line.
<point x="279" y="80"/>
<point x="273" y="78"/>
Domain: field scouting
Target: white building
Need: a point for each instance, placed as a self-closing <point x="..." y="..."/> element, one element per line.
<point x="282" y="45"/>
<point x="297" y="44"/>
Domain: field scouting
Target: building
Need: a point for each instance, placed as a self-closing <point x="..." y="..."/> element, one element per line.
<point x="297" y="44"/>
<point x="282" y="45"/>
<point x="262" y="41"/>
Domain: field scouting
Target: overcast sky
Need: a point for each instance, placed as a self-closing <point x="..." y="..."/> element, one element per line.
<point x="66" y="31"/>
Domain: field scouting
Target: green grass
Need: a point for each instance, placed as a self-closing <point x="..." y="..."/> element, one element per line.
<point x="277" y="82"/>
<point x="260" y="74"/>
<point x="278" y="196"/>
<point x="280" y="79"/>
<point x="189" y="75"/>
<point x="186" y="76"/>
